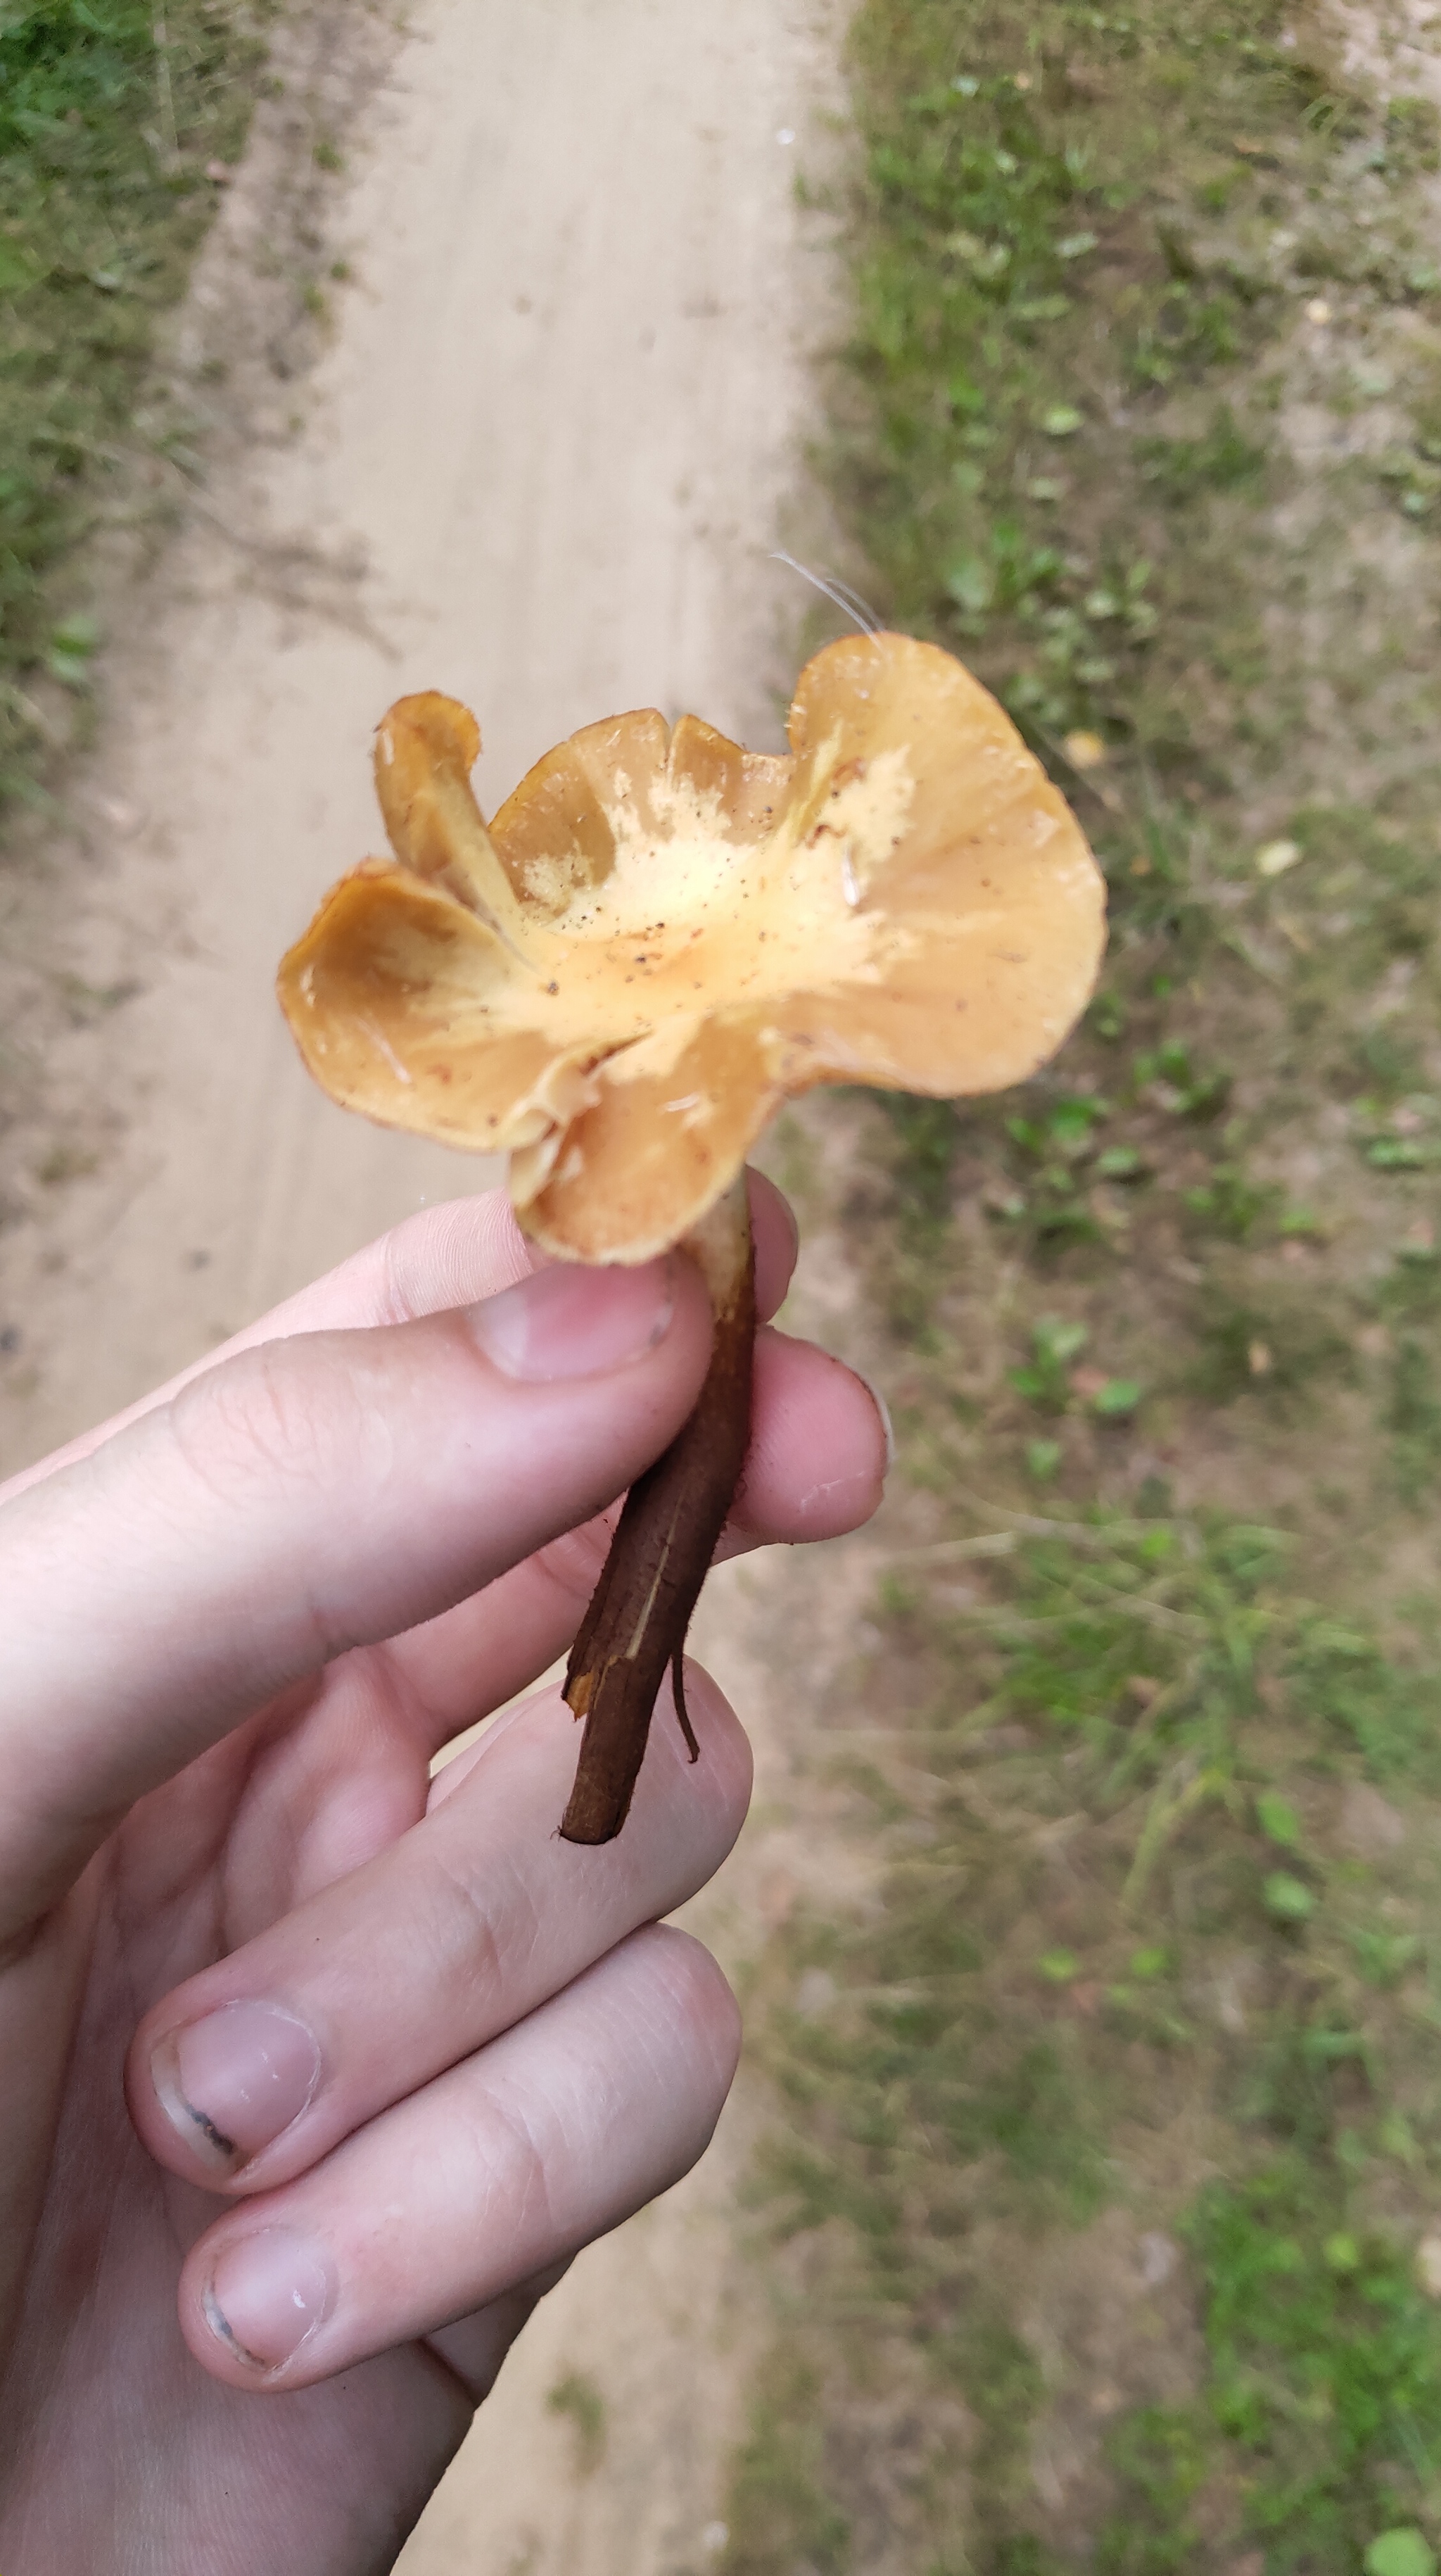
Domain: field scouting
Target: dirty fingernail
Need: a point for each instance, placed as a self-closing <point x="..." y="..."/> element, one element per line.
<point x="572" y="1322"/>
<point x="266" y="2294"/>
<point x="232" y="2082"/>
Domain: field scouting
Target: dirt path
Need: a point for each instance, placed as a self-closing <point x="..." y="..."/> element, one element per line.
<point x="541" y="465"/>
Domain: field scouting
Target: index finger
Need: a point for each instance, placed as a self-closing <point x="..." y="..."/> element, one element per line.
<point x="443" y="1257"/>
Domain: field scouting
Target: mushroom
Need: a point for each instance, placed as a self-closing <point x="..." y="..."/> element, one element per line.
<point x="659" y="938"/>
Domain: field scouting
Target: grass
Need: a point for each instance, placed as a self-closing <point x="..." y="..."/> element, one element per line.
<point x="1098" y="2199"/>
<point x="116" y="118"/>
<point x="1122" y="1942"/>
<point x="577" y="2399"/>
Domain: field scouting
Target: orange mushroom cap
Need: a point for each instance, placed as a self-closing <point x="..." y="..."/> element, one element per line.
<point x="661" y="937"/>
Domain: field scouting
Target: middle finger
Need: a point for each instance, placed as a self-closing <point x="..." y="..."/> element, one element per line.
<point x="250" y="2072"/>
<point x="816" y="1467"/>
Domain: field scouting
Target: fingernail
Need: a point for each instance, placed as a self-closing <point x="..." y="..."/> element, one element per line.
<point x="575" y="1322"/>
<point x="232" y="2082"/>
<point x="266" y="2294"/>
<point x="884" y="1410"/>
<point x="793" y="1225"/>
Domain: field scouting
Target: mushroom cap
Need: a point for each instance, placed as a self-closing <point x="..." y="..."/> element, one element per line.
<point x="662" y="937"/>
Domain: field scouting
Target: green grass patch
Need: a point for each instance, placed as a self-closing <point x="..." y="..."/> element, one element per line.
<point x="1067" y="215"/>
<point x="1132" y="1924"/>
<point x="1108" y="2130"/>
<point x="576" y="2398"/>
<point x="1326" y="2363"/>
<point x="780" y="2513"/>
<point x="110" y="113"/>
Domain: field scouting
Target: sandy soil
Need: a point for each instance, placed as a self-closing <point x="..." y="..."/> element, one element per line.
<point x="540" y="464"/>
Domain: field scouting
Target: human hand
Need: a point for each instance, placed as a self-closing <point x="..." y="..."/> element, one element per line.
<point x="422" y="2049"/>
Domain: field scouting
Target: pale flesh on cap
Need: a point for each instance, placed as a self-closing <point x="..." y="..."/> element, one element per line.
<point x="659" y="939"/>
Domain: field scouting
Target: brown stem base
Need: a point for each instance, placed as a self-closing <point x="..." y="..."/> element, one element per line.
<point x="641" y="1608"/>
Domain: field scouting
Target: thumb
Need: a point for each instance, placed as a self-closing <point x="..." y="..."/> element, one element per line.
<point x="306" y="1497"/>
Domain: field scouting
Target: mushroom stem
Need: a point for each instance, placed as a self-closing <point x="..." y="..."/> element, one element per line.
<point x="674" y="1514"/>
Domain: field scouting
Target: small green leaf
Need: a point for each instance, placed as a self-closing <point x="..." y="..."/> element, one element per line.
<point x="1120" y="1163"/>
<point x="1119" y="1395"/>
<point x="17" y="269"/>
<point x="1043" y="1457"/>
<point x="72" y="670"/>
<point x="1056" y="1340"/>
<point x="77" y="635"/>
<point x="1071" y="1121"/>
<point x="1404" y="2552"/>
<point x="1060" y="1966"/>
<point x="1062" y="420"/>
<point x="1383" y="1957"/>
<point x="1287" y="1898"/>
<point x="972" y="585"/>
<point x="1075" y="245"/>
<point x="1398" y="2138"/>
<point x="1342" y="2253"/>
<point x="1149" y="1963"/>
<point x="1278" y="1821"/>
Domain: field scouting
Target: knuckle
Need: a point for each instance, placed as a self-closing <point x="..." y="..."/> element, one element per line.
<point x="466" y="1912"/>
<point x="517" y="2154"/>
<point x="698" y="1995"/>
<point x="297" y="1412"/>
